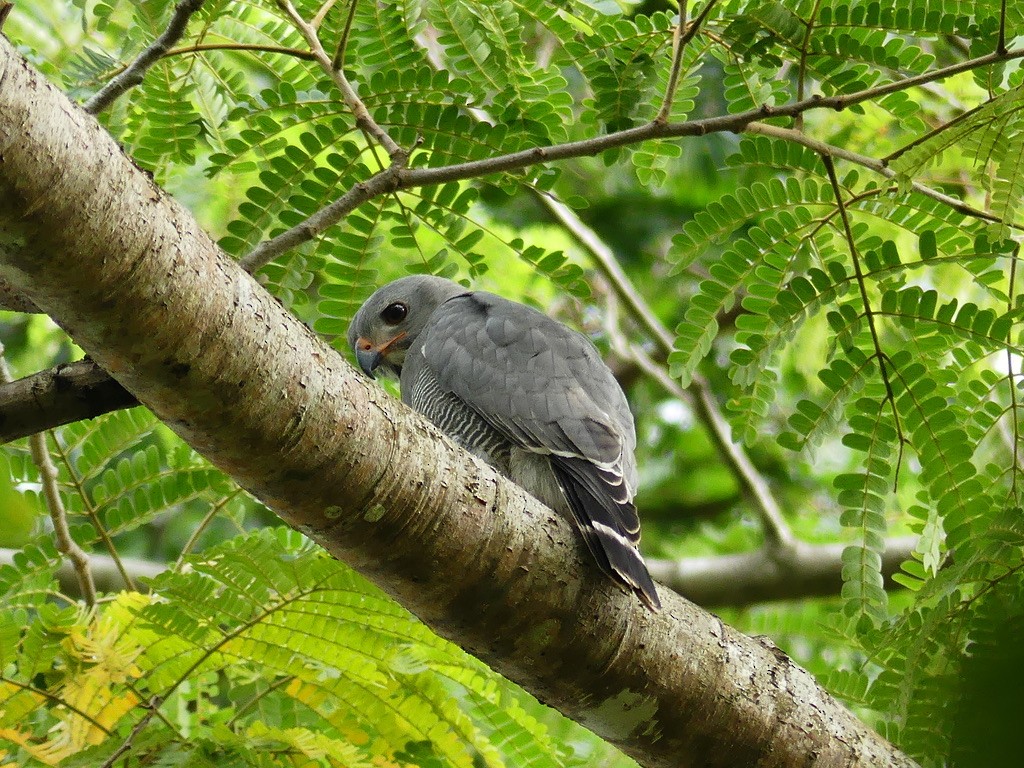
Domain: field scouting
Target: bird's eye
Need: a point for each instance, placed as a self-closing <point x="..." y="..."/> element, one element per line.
<point x="394" y="313"/>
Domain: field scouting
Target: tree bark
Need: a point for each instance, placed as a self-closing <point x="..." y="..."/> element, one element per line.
<point x="129" y="274"/>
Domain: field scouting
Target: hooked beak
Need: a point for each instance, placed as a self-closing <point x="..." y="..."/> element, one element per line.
<point x="370" y="356"/>
<point x="368" y="359"/>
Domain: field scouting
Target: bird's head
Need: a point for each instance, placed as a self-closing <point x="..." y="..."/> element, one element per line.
<point x="388" y="323"/>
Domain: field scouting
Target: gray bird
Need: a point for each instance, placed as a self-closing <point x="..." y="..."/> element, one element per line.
<point x="524" y="393"/>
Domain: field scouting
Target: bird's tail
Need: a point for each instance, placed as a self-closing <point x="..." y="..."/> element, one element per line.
<point x="608" y="521"/>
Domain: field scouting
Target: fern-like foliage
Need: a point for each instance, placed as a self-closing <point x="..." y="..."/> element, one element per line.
<point x="274" y="626"/>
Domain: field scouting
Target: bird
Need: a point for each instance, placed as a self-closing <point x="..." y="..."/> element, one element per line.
<point x="523" y="392"/>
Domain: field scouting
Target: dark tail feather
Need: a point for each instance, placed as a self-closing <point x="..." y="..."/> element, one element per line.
<point x="600" y="517"/>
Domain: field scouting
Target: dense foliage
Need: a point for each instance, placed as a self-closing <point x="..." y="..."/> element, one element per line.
<point x="835" y="257"/>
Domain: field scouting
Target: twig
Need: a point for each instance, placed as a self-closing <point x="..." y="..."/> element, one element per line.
<point x="321" y="14"/>
<point x="869" y="314"/>
<point x="5" y="11"/>
<point x="680" y="39"/>
<point x="878" y="166"/>
<point x="362" y="115"/>
<point x="339" y="52"/>
<point x="1001" y="44"/>
<point x="48" y="476"/>
<point x="90" y="511"/>
<point x="133" y="75"/>
<point x="801" y="73"/>
<point x="812" y="570"/>
<point x="200" y="47"/>
<point x="151" y="706"/>
<point x="66" y="545"/>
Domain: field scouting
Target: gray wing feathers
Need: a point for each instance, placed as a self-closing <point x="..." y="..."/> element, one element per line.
<point x="533" y="378"/>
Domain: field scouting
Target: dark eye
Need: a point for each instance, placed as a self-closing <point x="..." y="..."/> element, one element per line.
<point x="395" y="313"/>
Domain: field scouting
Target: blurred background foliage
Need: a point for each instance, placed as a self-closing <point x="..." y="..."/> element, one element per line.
<point x="719" y="235"/>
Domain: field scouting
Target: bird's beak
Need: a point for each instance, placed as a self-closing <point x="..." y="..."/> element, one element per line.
<point x="370" y="356"/>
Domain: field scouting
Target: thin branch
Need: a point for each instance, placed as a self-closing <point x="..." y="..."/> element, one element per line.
<point x="362" y="115"/>
<point x="200" y="47"/>
<point x="801" y="74"/>
<point x="107" y="576"/>
<point x="134" y="74"/>
<point x="1001" y="44"/>
<point x="813" y="570"/>
<point x="1011" y="290"/>
<point x="66" y="545"/>
<point x="392" y="179"/>
<point x="878" y="166"/>
<point x="339" y="52"/>
<point x="778" y="535"/>
<point x="681" y="37"/>
<point x="321" y="14"/>
<point x="869" y="313"/>
<point x="279" y="49"/>
<point x="677" y="65"/>
<point x="90" y="511"/>
<point x="738" y="580"/>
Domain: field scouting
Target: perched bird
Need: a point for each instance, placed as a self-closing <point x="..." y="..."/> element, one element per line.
<point x="524" y="393"/>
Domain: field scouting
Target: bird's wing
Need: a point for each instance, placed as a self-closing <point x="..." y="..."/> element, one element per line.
<point x="546" y="389"/>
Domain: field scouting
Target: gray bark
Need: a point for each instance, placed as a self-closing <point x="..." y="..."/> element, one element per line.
<point x="130" y="275"/>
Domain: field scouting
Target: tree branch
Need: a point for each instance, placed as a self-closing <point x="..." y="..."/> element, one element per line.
<point x="58" y="396"/>
<point x="878" y="166"/>
<point x="334" y="70"/>
<point x="807" y="570"/>
<point x="133" y="75"/>
<point x="224" y="365"/>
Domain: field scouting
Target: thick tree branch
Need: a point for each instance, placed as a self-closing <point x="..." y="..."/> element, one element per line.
<point x="133" y="279"/>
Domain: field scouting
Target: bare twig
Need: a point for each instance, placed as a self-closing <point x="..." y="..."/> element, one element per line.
<point x="1001" y="44"/>
<point x="321" y="14"/>
<point x="812" y="570"/>
<point x="66" y="545"/>
<point x="5" y="10"/>
<point x="133" y="75"/>
<point x="362" y="115"/>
